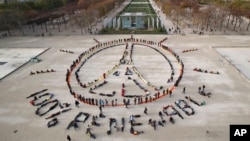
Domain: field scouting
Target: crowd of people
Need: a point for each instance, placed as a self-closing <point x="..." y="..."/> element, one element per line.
<point x="101" y="102"/>
<point x="184" y="106"/>
<point x="42" y="71"/>
<point x="189" y="50"/>
<point x="82" y="117"/>
<point x="83" y="57"/>
<point x="66" y="51"/>
<point x="205" y="71"/>
<point x="194" y="101"/>
<point x="44" y="100"/>
<point x="180" y="63"/>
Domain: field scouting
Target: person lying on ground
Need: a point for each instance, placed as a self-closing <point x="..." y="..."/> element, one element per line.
<point x="134" y="132"/>
<point x="52" y="123"/>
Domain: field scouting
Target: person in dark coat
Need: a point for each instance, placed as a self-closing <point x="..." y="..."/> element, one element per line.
<point x="146" y="110"/>
<point x="77" y="104"/>
<point x="184" y="90"/>
<point x="68" y="138"/>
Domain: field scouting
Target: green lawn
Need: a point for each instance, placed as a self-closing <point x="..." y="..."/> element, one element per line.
<point x="139" y="9"/>
<point x="129" y="31"/>
<point x="139" y="0"/>
<point x="145" y="8"/>
<point x="139" y="5"/>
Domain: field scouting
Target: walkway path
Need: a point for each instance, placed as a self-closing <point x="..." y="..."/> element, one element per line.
<point x="167" y="23"/>
<point x="111" y="15"/>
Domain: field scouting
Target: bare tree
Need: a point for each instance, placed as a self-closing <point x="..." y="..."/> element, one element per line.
<point x="177" y="13"/>
<point x="80" y="18"/>
<point x="6" y="21"/>
<point x="223" y="12"/>
<point x="248" y="16"/>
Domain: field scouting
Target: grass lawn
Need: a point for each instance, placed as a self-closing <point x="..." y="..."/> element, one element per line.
<point x="139" y="0"/>
<point x="145" y="8"/>
<point x="129" y="31"/>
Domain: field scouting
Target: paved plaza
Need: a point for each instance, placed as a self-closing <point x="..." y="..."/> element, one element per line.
<point x="13" y="58"/>
<point x="238" y="57"/>
<point x="228" y="102"/>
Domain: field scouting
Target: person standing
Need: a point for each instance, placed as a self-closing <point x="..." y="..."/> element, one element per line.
<point x="104" y="75"/>
<point x="106" y="102"/>
<point x="68" y="138"/>
<point x="146" y="110"/>
<point x="203" y="88"/>
<point x="115" y="102"/>
<point x="124" y="101"/>
<point x="184" y="90"/>
<point x="77" y="104"/>
<point x="199" y="90"/>
<point x="102" y="103"/>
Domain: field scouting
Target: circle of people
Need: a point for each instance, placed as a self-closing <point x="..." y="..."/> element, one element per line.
<point x="138" y="99"/>
<point x="42" y="100"/>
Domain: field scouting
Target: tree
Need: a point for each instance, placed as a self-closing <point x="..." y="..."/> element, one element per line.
<point x="51" y="4"/>
<point x="246" y="12"/>
<point x="83" y="4"/>
<point x="236" y="11"/>
<point x="6" y="21"/>
<point x="80" y="19"/>
<point x="177" y="13"/>
<point x="13" y="16"/>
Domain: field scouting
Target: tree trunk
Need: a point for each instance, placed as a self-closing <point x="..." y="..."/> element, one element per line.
<point x="207" y="24"/>
<point x="33" y="27"/>
<point x="71" y="22"/>
<point x="22" y="30"/>
<point x="58" y="26"/>
<point x="194" y="21"/>
<point x="228" y="20"/>
<point x="248" y="25"/>
<point x="81" y="30"/>
<point x="232" y="22"/>
<point x="8" y="29"/>
<point x="65" y="24"/>
<point x="53" y="25"/>
<point x="177" y="22"/>
<point x="221" y="23"/>
<point x="215" y="20"/>
<point x="21" y="27"/>
<point x="240" y="23"/>
<point x="72" y="25"/>
<point x="46" y="27"/>
<point x="235" y="23"/>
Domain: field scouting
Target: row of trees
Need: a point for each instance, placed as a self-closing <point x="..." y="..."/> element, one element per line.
<point x="11" y="16"/>
<point x="208" y="14"/>
<point x="91" y="12"/>
<point x="14" y="15"/>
